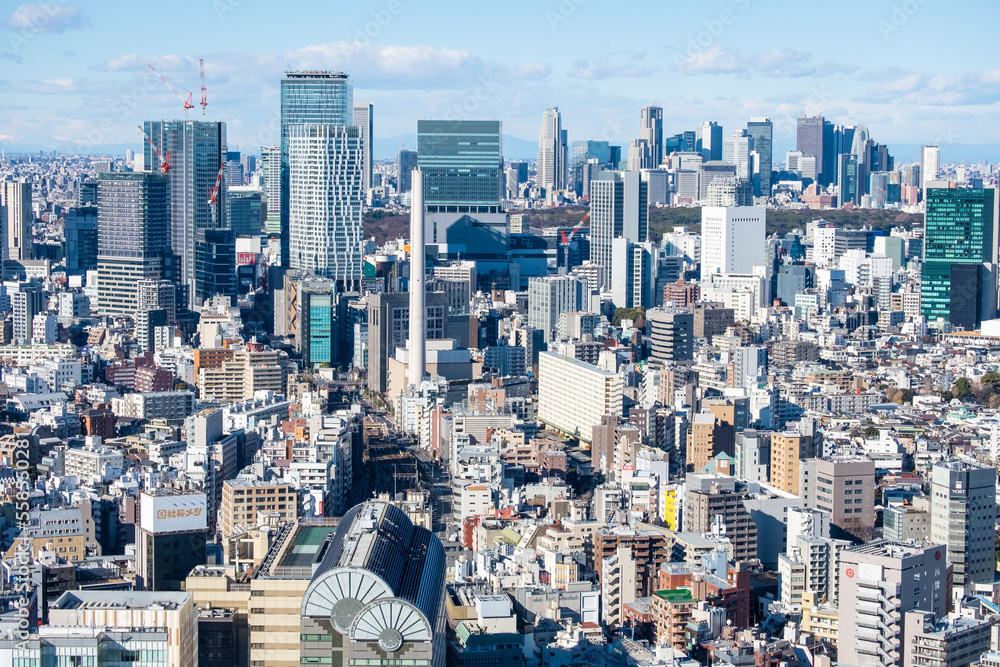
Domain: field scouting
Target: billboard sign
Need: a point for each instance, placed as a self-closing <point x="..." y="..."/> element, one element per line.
<point x="172" y="513"/>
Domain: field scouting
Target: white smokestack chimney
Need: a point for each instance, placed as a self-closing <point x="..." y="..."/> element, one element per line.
<point x="418" y="311"/>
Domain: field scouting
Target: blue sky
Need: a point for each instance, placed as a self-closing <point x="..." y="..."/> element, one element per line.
<point x="73" y="73"/>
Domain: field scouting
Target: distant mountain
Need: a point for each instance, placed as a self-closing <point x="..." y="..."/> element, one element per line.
<point x="387" y="148"/>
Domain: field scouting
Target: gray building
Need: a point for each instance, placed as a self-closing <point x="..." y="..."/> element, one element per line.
<point x="963" y="516"/>
<point x="364" y="119"/>
<point x="198" y="153"/>
<point x="549" y="297"/>
<point x="15" y="197"/>
<point x="389" y="328"/>
<point x="885" y="580"/>
<point x="809" y="138"/>
<point x="651" y="131"/>
<point x="406" y="162"/>
<point x="619" y="208"/>
<point x="133" y="237"/>
<point x="762" y="131"/>
<point x="462" y="161"/>
<point x="671" y="335"/>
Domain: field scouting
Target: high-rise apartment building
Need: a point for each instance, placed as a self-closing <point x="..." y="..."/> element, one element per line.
<point x="405" y="164"/>
<point x="958" y="279"/>
<point x="573" y="395"/>
<point x="270" y="158"/>
<point x="963" y="516"/>
<point x="198" y="153"/>
<point x="133" y="237"/>
<point x="672" y="335"/>
<point x="309" y="97"/>
<point x="761" y="130"/>
<point x="619" y="208"/>
<point x="732" y="240"/>
<point x="325" y="196"/>
<point x="15" y="196"/>
<point x="883" y="581"/>
<point x="633" y="273"/>
<point x="364" y="119"/>
<point x="552" y="152"/>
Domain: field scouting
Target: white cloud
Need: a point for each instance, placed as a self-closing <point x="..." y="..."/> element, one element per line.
<point x="603" y="68"/>
<point x="38" y="18"/>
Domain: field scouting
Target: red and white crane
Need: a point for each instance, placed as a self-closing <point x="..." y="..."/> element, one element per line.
<point x="187" y="102"/>
<point x="213" y="195"/>
<point x="164" y="159"/>
<point x="567" y="239"/>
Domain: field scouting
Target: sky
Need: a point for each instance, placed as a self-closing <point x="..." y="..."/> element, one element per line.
<point x="74" y="75"/>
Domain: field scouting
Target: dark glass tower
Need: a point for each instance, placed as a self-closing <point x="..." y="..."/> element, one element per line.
<point x="133" y="237"/>
<point x="958" y="277"/>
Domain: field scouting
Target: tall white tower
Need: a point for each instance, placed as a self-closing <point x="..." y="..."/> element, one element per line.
<point x="418" y="326"/>
<point x="551" y="152"/>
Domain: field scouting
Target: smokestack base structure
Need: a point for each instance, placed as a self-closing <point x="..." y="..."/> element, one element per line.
<point x="418" y="311"/>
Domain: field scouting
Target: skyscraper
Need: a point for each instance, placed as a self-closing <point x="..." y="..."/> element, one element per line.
<point x="959" y="275"/>
<point x="930" y="164"/>
<point x="309" y="97"/>
<point x="133" y="237"/>
<point x="325" y="166"/>
<point x="551" y="152"/>
<point x="826" y="167"/>
<point x="270" y="157"/>
<point x="651" y="129"/>
<point x="405" y="164"/>
<point x="809" y="138"/>
<point x="738" y="150"/>
<point x="198" y="151"/>
<point x="81" y="240"/>
<point x="847" y="180"/>
<point x="619" y="208"/>
<point x="709" y="140"/>
<point x="462" y="161"/>
<point x="364" y="118"/>
<point x="550" y="296"/>
<point x="762" y="132"/>
<point x="15" y="196"/>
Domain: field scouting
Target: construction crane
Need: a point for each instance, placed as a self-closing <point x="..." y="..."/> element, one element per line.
<point x="213" y="196"/>
<point x="164" y="159"/>
<point x="187" y="102"/>
<point x="567" y="239"/>
<point x="204" y="92"/>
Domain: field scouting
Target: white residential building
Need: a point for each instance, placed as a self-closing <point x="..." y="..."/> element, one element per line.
<point x="732" y="239"/>
<point x="573" y="395"/>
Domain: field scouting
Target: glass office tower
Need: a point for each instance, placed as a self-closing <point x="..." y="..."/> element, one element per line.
<point x="958" y="277"/>
<point x="462" y="162"/>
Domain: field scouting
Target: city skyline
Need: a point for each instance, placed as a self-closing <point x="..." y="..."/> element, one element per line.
<point x="77" y="68"/>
